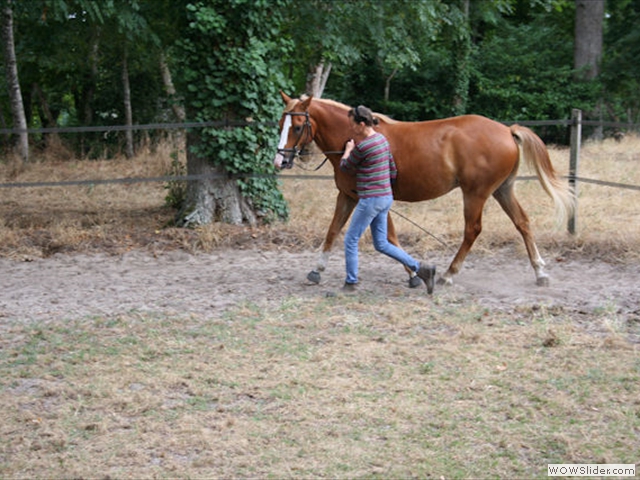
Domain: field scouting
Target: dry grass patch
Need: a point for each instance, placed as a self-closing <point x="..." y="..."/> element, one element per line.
<point x="40" y="221"/>
<point x="327" y="388"/>
<point x="37" y="222"/>
<point x="321" y="387"/>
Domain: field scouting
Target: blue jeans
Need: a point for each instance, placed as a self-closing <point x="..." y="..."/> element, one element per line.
<point x="372" y="212"/>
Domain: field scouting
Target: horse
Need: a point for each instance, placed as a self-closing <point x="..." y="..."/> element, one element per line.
<point x="471" y="152"/>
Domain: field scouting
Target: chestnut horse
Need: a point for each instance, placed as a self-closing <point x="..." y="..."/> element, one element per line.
<point x="474" y="153"/>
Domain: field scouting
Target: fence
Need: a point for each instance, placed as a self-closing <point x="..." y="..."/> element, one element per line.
<point x="574" y="161"/>
<point x="575" y="123"/>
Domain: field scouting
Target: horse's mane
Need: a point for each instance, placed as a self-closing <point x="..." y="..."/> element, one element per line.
<point x="326" y="101"/>
<point x="382" y="117"/>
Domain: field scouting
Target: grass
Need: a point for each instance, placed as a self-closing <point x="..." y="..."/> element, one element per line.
<point x="327" y="388"/>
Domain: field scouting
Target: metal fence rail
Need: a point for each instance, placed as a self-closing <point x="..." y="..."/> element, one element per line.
<point x="193" y="178"/>
<point x="244" y="123"/>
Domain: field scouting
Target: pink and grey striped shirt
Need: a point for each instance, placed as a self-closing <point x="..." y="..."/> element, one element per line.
<point x="373" y="163"/>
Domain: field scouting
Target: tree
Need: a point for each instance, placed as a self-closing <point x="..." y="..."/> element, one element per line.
<point x="462" y="52"/>
<point x="620" y="69"/>
<point x="335" y="35"/>
<point x="132" y="31"/>
<point x="396" y="32"/>
<point x="588" y="37"/>
<point x="13" y="82"/>
<point x="87" y="63"/>
<point x="588" y="46"/>
<point x="231" y="71"/>
<point x="322" y="33"/>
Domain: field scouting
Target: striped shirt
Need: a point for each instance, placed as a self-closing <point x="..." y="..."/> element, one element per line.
<point x="374" y="166"/>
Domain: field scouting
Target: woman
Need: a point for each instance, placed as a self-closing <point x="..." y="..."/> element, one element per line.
<point x="368" y="157"/>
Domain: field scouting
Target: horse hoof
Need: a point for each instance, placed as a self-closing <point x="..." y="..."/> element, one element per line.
<point x="313" y="277"/>
<point x="542" y="281"/>
<point x="444" y="281"/>
<point x="415" y="282"/>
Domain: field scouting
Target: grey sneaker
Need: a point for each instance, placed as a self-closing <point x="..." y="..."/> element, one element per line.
<point x="428" y="275"/>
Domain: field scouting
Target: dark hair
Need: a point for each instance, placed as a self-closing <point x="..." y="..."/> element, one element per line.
<point x="364" y="115"/>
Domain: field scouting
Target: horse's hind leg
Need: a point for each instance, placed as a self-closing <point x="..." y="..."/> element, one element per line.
<point x="473" y="204"/>
<point x="505" y="196"/>
<point x="343" y="210"/>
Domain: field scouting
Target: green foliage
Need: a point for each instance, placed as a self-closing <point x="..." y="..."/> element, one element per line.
<point x="398" y="54"/>
<point x="416" y="95"/>
<point x="321" y="30"/>
<point x="620" y="68"/>
<point x="387" y="37"/>
<point x="70" y="63"/>
<point x="231" y="65"/>
<point x="519" y="67"/>
<point x="523" y="72"/>
<point x="508" y="59"/>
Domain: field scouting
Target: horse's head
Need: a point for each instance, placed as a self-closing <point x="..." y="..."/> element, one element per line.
<point x="296" y="130"/>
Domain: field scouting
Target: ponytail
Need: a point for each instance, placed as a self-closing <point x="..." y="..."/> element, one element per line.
<point x="362" y="114"/>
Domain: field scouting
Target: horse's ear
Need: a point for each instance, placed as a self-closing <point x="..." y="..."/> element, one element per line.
<point x="285" y="98"/>
<point x="306" y="102"/>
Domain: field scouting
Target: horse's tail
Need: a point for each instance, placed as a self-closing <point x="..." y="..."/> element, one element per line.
<point x="535" y="153"/>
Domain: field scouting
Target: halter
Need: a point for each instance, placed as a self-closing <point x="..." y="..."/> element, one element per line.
<point x="288" y="154"/>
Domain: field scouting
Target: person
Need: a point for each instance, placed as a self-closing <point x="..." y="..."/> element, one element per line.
<point x="368" y="156"/>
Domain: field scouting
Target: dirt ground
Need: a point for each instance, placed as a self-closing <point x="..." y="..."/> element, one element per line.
<point x="83" y="285"/>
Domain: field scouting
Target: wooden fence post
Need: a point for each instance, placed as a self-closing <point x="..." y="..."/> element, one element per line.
<point x="574" y="158"/>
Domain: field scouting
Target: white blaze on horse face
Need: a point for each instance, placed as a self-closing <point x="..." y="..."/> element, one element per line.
<point x="284" y="135"/>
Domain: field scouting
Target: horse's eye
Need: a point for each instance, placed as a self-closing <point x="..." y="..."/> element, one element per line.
<point x="297" y="129"/>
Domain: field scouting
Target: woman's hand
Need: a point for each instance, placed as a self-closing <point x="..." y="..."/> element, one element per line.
<point x="344" y="164"/>
<point x="348" y="147"/>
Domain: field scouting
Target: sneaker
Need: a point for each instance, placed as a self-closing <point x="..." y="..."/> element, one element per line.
<point x="350" y="287"/>
<point x="428" y="275"/>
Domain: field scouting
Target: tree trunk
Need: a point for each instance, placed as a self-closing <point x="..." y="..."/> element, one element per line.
<point x="588" y="48"/>
<point x="13" y="83"/>
<point x="52" y="140"/>
<point x="89" y="86"/>
<point x="387" y="85"/>
<point x="128" y="114"/>
<point x="588" y="37"/>
<point x="462" y="54"/>
<point x="209" y="200"/>
<point x="88" y="89"/>
<point x="317" y="79"/>
<point x="7" y="136"/>
<point x="178" y="109"/>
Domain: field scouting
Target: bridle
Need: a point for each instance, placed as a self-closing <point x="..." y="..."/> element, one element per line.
<point x="289" y="154"/>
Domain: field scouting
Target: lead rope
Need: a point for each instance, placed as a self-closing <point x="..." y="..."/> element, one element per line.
<point x="421" y="228"/>
<point x="321" y="164"/>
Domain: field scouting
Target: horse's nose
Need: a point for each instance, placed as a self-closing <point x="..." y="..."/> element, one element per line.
<point x="277" y="161"/>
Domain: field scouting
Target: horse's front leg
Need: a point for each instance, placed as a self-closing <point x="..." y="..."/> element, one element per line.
<point x="344" y="207"/>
